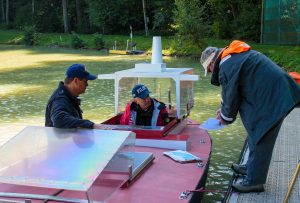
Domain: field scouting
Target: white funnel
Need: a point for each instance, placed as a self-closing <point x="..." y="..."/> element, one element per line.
<point x="156" y="50"/>
<point x="156" y="64"/>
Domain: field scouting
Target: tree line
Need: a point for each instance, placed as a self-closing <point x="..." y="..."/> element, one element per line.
<point x="190" y="20"/>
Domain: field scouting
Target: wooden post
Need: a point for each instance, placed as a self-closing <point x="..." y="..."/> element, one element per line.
<point x="262" y="23"/>
<point x="65" y="15"/>
<point x="3" y="10"/>
<point x="7" y="12"/>
<point x="145" y="18"/>
<point x="32" y="7"/>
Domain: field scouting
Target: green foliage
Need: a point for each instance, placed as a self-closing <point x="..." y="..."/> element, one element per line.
<point x="236" y="19"/>
<point x="247" y="24"/>
<point x="10" y="37"/>
<point x="192" y="22"/>
<point x="30" y="36"/>
<point x="22" y="18"/>
<point x="48" y="16"/>
<point x="77" y="42"/>
<point x="159" y="21"/>
<point x="221" y="30"/>
<point x="286" y="56"/>
<point x="116" y="16"/>
<point x="163" y="17"/>
<point x="98" y="40"/>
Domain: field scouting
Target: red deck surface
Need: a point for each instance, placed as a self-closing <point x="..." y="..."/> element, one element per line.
<point x="166" y="179"/>
<point x="163" y="181"/>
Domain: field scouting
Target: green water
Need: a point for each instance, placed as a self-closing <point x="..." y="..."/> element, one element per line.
<point x="28" y="77"/>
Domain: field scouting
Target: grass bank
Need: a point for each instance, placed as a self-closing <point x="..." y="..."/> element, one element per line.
<point x="287" y="57"/>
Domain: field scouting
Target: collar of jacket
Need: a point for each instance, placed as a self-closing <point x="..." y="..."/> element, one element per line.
<point x="65" y="91"/>
<point x="235" y="47"/>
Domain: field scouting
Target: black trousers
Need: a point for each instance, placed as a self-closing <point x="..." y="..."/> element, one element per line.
<point x="260" y="155"/>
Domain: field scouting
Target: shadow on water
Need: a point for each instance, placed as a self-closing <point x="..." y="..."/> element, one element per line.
<point x="29" y="76"/>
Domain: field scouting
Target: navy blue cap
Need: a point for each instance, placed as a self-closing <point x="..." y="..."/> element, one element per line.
<point x="140" y="91"/>
<point x="79" y="71"/>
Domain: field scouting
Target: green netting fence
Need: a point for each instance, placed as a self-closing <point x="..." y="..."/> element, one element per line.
<point x="281" y="22"/>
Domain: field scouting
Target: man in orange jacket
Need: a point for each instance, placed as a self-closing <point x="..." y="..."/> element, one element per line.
<point x="262" y="93"/>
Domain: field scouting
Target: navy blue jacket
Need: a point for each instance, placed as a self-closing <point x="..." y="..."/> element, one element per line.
<point x="258" y="89"/>
<point x="63" y="110"/>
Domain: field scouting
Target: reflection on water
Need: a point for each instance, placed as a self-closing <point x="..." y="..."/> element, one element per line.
<point x="26" y="88"/>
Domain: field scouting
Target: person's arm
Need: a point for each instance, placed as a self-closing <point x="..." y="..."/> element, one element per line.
<point x="164" y="117"/>
<point x="62" y="117"/>
<point x="125" y="118"/>
<point x="230" y="98"/>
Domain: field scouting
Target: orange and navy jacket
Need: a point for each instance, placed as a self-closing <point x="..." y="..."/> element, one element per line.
<point x="235" y="47"/>
<point x="256" y="88"/>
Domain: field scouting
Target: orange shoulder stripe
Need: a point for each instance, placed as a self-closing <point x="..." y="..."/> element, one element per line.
<point x="235" y="47"/>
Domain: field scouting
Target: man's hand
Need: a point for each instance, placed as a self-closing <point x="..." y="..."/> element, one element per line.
<point x="218" y="116"/>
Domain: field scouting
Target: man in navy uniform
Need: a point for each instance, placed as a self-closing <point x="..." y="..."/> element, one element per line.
<point x="63" y="108"/>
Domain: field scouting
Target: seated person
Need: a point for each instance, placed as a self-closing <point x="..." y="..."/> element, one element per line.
<point x="144" y="110"/>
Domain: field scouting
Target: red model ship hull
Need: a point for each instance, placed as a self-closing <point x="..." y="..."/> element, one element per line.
<point x="165" y="179"/>
<point x="162" y="181"/>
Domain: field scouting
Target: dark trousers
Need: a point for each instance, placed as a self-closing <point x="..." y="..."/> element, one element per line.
<point x="260" y="155"/>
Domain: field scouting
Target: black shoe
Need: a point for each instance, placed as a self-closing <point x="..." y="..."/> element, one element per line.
<point x="244" y="187"/>
<point x="239" y="169"/>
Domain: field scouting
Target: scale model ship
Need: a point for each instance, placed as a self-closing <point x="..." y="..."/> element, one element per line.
<point x="124" y="164"/>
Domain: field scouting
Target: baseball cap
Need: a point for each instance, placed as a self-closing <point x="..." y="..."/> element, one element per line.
<point x="207" y="56"/>
<point x="140" y="91"/>
<point x="79" y="71"/>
